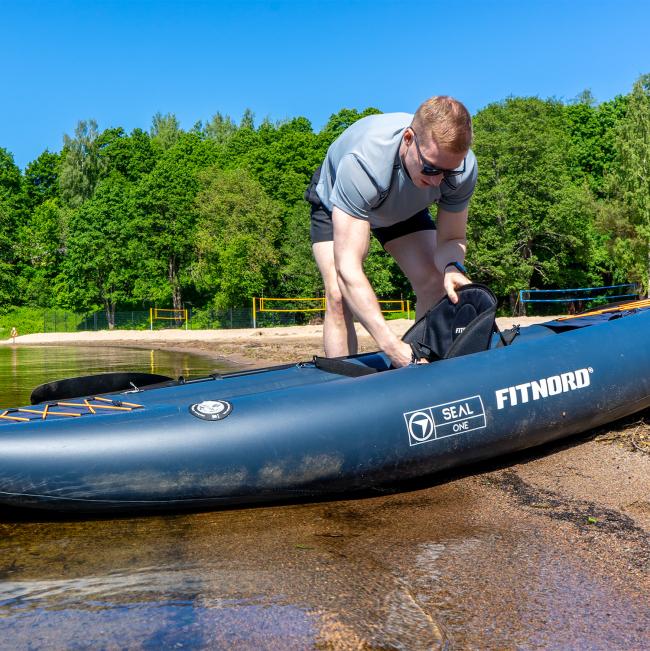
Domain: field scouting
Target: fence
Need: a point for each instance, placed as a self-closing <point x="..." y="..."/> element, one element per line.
<point x="62" y="321"/>
<point x="287" y="311"/>
<point x="265" y="313"/>
<point x="179" y="317"/>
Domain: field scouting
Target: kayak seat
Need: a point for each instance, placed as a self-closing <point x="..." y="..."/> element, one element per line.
<point x="87" y="385"/>
<point x="447" y="330"/>
<point x="451" y="330"/>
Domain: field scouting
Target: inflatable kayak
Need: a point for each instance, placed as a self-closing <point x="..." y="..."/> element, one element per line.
<point x="324" y="427"/>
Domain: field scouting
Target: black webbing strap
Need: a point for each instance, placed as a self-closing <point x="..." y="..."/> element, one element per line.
<point x="342" y="367"/>
<point x="419" y="350"/>
<point x="507" y="336"/>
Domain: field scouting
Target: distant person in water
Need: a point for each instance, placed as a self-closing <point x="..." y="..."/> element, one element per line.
<point x="380" y="176"/>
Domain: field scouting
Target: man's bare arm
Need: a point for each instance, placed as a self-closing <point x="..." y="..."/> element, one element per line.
<point x="451" y="228"/>
<point x="351" y="238"/>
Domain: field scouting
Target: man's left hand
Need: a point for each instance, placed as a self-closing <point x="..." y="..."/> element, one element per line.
<point x="452" y="281"/>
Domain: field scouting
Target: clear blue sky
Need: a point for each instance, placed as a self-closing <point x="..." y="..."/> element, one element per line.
<point x="120" y="62"/>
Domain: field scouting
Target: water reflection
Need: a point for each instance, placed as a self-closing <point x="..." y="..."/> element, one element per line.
<point x="291" y="577"/>
<point x="24" y="367"/>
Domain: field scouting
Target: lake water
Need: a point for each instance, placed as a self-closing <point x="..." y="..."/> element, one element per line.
<point x="24" y="367"/>
<point x="427" y="569"/>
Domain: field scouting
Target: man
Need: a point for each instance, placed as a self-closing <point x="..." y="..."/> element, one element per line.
<point x="381" y="175"/>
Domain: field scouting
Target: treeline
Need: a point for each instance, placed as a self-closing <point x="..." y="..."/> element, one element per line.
<point x="215" y="215"/>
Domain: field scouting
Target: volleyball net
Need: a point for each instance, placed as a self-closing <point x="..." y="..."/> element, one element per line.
<point x="179" y="317"/>
<point x="284" y="306"/>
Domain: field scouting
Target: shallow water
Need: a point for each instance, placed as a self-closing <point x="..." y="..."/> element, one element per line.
<point x="417" y="571"/>
<point x="427" y="569"/>
<point x="22" y="368"/>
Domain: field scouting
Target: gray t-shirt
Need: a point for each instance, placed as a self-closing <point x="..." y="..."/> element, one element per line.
<point x="363" y="175"/>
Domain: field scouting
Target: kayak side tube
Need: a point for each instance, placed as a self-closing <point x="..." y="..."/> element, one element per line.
<point x="332" y="437"/>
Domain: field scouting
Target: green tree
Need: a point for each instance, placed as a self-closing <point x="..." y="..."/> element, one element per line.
<point x="133" y="156"/>
<point x="166" y="215"/>
<point x="12" y="214"/>
<point x="165" y="130"/>
<point x="41" y="179"/>
<point x="382" y="272"/>
<point x="247" y="120"/>
<point x="102" y="249"/>
<point x="220" y="128"/>
<point x="82" y="165"/>
<point x="7" y="256"/>
<point x="298" y="274"/>
<point x="530" y="224"/>
<point x="40" y="243"/>
<point x="628" y="217"/>
<point x="283" y="158"/>
<point x="236" y="237"/>
<point x="10" y="179"/>
<point x="592" y="129"/>
<point x="339" y="122"/>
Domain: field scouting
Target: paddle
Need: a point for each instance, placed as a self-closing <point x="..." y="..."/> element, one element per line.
<point x="86" y="385"/>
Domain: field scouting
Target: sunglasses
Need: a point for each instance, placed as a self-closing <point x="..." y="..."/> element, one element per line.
<point x="431" y="170"/>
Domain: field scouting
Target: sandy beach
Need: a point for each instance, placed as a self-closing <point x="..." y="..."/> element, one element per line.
<point x="251" y="347"/>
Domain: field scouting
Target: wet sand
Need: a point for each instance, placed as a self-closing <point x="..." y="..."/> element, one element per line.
<point x="549" y="548"/>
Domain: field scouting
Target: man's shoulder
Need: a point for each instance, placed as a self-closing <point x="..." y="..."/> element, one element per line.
<point x="359" y="165"/>
<point x="398" y="118"/>
<point x="373" y="141"/>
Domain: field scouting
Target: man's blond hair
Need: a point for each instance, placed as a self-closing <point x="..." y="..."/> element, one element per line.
<point x="446" y="121"/>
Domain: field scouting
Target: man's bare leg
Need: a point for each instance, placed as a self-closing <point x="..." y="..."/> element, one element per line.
<point x="414" y="255"/>
<point x="339" y="335"/>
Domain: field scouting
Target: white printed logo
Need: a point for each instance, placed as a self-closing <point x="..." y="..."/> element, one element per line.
<point x="449" y="419"/>
<point x="543" y="388"/>
<point x="211" y="409"/>
<point x="420" y="426"/>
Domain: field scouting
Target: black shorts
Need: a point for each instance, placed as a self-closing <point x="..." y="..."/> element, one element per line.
<point x="322" y="228"/>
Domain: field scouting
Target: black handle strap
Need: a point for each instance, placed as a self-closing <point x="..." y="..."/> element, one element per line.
<point x="507" y="336"/>
<point x="342" y="367"/>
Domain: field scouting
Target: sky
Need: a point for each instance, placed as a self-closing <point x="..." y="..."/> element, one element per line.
<point x="120" y="62"/>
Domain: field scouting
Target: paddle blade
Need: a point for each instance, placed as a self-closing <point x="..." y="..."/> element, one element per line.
<point x="86" y="385"/>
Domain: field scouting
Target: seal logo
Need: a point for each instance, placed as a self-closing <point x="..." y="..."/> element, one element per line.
<point x="420" y="426"/>
<point x="211" y="409"/>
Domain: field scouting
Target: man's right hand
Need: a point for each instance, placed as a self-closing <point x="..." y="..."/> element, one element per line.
<point x="401" y="354"/>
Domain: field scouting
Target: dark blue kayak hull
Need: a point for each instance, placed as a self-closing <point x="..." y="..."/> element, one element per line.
<point x="301" y="431"/>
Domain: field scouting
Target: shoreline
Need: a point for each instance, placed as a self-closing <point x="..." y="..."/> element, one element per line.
<point x="249" y="347"/>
